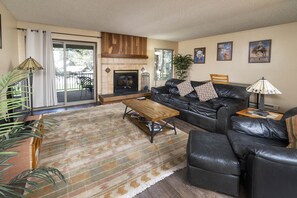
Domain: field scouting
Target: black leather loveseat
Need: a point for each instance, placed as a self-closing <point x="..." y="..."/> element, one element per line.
<point x="267" y="167"/>
<point x="212" y="115"/>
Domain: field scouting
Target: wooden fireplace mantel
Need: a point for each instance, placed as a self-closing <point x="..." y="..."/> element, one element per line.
<point x="123" y="46"/>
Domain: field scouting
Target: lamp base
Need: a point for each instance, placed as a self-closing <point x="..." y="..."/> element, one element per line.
<point x="261" y="112"/>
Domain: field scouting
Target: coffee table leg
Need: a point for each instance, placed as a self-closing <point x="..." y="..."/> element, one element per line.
<point x="125" y="112"/>
<point x="152" y="132"/>
<point x="172" y="121"/>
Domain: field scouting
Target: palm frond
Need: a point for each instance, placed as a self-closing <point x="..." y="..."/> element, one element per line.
<point x="11" y="78"/>
<point x="13" y="132"/>
<point x="33" y="178"/>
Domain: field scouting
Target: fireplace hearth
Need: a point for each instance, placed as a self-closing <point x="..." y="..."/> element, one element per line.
<point x="125" y="81"/>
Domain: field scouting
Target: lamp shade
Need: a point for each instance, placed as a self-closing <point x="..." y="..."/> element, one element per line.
<point x="30" y="64"/>
<point x="263" y="86"/>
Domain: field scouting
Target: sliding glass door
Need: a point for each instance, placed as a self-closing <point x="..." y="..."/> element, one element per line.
<point x="75" y="72"/>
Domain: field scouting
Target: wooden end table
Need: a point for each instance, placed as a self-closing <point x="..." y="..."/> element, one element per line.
<point x="151" y="111"/>
<point x="249" y="113"/>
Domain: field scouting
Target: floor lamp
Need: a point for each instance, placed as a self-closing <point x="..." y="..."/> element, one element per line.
<point x="30" y="65"/>
<point x="262" y="87"/>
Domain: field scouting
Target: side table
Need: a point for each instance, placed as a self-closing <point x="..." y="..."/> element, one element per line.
<point x="28" y="153"/>
<point x="249" y="113"/>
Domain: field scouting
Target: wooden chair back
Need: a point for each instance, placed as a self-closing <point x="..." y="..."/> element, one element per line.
<point x="219" y="78"/>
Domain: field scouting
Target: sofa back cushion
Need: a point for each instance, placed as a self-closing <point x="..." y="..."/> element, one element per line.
<point x="223" y="90"/>
<point x="291" y="124"/>
<point x="265" y="128"/>
<point x="231" y="91"/>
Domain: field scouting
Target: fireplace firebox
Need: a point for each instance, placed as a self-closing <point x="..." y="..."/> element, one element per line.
<point x="125" y="81"/>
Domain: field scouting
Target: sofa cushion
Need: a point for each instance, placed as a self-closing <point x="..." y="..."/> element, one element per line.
<point x="173" y="82"/>
<point x="291" y="124"/>
<point x="266" y="128"/>
<point x="241" y="143"/>
<point x="204" y="108"/>
<point x="179" y="101"/>
<point x="173" y="90"/>
<point x="206" y="92"/>
<point x="225" y="101"/>
<point x="231" y="91"/>
<point x="163" y="97"/>
<point x="185" y="88"/>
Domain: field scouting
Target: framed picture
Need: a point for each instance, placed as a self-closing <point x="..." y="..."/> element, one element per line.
<point x="199" y="55"/>
<point x="224" y="51"/>
<point x="260" y="51"/>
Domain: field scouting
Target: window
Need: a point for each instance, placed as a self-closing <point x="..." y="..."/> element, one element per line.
<point x="163" y="64"/>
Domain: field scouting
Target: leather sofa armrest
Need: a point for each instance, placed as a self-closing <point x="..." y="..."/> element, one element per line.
<point x="224" y="113"/>
<point x="267" y="128"/>
<point x="272" y="172"/>
<point x="275" y="154"/>
<point x="159" y="90"/>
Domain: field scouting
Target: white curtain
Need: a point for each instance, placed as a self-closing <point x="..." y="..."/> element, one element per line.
<point x="39" y="46"/>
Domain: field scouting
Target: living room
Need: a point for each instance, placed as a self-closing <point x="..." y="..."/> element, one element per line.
<point x="240" y="25"/>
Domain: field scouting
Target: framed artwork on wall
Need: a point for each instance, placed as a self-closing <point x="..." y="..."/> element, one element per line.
<point x="260" y="51"/>
<point x="224" y="51"/>
<point x="199" y="55"/>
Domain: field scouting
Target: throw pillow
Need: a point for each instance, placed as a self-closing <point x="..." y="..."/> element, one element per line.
<point x="185" y="88"/>
<point x="291" y="124"/>
<point x="206" y="92"/>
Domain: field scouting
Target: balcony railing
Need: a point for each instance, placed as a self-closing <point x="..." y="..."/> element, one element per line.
<point x="72" y="81"/>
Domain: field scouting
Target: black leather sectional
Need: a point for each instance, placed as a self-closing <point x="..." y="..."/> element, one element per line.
<point x="212" y="115"/>
<point x="267" y="167"/>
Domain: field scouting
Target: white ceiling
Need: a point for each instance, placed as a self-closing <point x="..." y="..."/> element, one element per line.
<point x="173" y="20"/>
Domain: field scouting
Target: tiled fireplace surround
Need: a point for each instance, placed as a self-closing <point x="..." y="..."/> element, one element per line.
<point x="118" y="64"/>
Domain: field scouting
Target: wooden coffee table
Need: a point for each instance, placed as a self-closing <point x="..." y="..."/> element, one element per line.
<point x="151" y="111"/>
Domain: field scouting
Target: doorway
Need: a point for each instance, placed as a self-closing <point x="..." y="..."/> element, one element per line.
<point x="75" y="72"/>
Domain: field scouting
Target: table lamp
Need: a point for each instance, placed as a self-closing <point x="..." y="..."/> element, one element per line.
<point x="30" y="65"/>
<point x="262" y="87"/>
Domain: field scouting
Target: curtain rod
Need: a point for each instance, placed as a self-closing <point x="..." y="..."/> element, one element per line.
<point x="63" y="33"/>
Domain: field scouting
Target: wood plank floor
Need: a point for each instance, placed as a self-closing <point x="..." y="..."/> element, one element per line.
<point x="174" y="186"/>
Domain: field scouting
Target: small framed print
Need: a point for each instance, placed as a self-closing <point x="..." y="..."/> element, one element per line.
<point x="260" y="51"/>
<point x="199" y="55"/>
<point x="224" y="51"/>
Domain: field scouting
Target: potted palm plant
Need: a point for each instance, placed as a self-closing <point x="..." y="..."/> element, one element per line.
<point x="182" y="64"/>
<point x="13" y="132"/>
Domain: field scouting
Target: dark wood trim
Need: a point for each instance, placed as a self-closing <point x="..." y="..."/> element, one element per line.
<point x="123" y="46"/>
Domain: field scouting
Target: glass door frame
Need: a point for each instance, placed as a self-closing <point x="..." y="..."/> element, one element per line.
<point x="94" y="45"/>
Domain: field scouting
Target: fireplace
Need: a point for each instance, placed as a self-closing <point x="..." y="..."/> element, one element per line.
<point x="125" y="81"/>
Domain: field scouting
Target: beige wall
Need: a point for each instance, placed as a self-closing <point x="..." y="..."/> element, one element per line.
<point x="58" y="29"/>
<point x="151" y="45"/>
<point x="9" y="51"/>
<point x="281" y="71"/>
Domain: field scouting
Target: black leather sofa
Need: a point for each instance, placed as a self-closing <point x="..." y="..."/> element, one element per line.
<point x="267" y="167"/>
<point x="212" y="115"/>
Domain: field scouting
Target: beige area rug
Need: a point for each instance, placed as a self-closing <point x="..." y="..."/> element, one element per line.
<point x="102" y="155"/>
